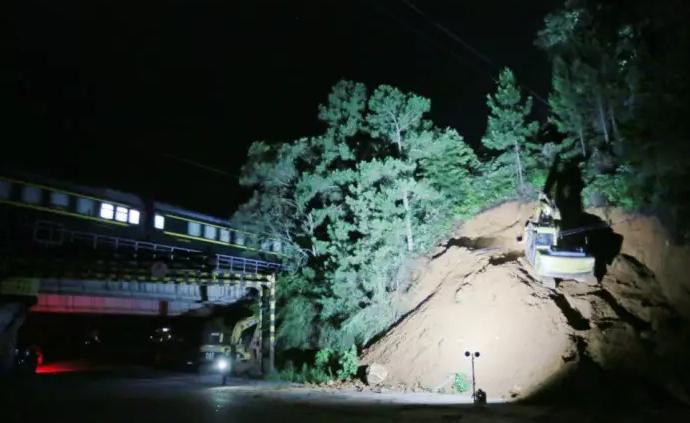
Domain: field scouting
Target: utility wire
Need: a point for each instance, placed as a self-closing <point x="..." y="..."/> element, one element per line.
<point x="467" y="46"/>
<point x="200" y="165"/>
<point x="421" y="34"/>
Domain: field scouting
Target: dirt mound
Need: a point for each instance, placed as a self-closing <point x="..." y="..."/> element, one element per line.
<point x="648" y="242"/>
<point x="477" y="294"/>
<point x="496" y="310"/>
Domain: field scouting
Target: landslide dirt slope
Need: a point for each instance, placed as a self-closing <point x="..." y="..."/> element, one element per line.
<point x="477" y="294"/>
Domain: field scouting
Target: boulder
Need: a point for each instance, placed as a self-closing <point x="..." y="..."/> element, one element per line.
<point x="375" y="374"/>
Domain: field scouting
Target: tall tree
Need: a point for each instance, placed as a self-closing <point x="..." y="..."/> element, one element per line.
<point x="393" y="116"/>
<point x="508" y="131"/>
<point x="568" y="105"/>
<point x="354" y="203"/>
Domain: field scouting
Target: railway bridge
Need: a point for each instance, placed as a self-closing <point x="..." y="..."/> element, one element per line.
<point x="66" y="271"/>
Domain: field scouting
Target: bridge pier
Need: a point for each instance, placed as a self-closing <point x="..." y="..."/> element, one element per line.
<point x="12" y="315"/>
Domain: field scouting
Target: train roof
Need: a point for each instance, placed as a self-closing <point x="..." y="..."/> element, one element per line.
<point x="98" y="192"/>
<point x="190" y="214"/>
<point x="126" y="198"/>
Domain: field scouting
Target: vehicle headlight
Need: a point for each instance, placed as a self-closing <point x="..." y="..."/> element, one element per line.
<point x="222" y="364"/>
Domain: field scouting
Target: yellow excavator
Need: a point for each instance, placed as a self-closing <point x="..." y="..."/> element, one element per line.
<point x="235" y="349"/>
<point x="548" y="260"/>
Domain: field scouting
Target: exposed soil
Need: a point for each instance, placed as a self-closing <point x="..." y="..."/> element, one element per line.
<point x="478" y="294"/>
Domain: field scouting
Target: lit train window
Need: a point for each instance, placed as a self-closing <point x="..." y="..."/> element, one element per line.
<point x="31" y="195"/>
<point x="121" y="214"/>
<point x="277" y="247"/>
<point x="193" y="228"/>
<point x="59" y="199"/>
<point x="239" y="238"/>
<point x="107" y="211"/>
<point x="225" y="235"/>
<point x="209" y="232"/>
<point x="159" y="222"/>
<point x="85" y="206"/>
<point x="134" y="217"/>
<point x="5" y="189"/>
<point x="266" y="245"/>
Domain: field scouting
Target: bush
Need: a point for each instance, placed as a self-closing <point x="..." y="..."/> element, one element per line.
<point x="326" y="361"/>
<point x="461" y="383"/>
<point x="348" y="363"/>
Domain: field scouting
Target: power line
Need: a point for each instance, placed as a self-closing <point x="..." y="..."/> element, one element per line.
<point x="421" y="34"/>
<point x="200" y="165"/>
<point x="455" y="37"/>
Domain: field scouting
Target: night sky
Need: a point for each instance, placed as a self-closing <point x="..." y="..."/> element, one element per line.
<point x="129" y="94"/>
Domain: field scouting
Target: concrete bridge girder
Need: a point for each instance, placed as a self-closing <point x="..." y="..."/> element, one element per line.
<point x="185" y="292"/>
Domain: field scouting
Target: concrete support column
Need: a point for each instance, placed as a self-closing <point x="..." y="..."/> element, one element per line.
<point x="272" y="323"/>
<point x="12" y="315"/>
<point x="261" y="329"/>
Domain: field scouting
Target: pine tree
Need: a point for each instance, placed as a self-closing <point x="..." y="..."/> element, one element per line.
<point x="393" y="115"/>
<point x="568" y="105"/>
<point x="508" y="130"/>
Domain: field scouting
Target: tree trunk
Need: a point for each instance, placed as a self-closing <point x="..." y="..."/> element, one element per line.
<point x="518" y="163"/>
<point x="582" y="142"/>
<point x="602" y="118"/>
<point x="408" y="221"/>
<point x="614" y="125"/>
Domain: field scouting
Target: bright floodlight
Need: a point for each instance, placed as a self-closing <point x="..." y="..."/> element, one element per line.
<point x="222" y="364"/>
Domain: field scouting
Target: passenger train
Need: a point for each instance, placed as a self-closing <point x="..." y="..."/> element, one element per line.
<point x="25" y="200"/>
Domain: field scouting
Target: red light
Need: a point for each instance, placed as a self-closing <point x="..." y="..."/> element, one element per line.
<point x="60" y="367"/>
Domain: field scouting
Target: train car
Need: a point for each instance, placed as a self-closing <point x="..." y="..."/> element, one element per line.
<point x="41" y="209"/>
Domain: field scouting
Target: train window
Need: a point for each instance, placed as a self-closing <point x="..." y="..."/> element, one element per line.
<point x="265" y="245"/>
<point x="225" y="235"/>
<point x="59" y="199"/>
<point x="159" y="222"/>
<point x="31" y="195"/>
<point x="193" y="228"/>
<point x="210" y="232"/>
<point x="85" y="206"/>
<point x="5" y="189"/>
<point x="239" y="238"/>
<point x="121" y="214"/>
<point x="134" y="217"/>
<point x="107" y="211"/>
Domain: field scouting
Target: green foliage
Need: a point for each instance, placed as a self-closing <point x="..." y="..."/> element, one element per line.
<point x="348" y="362"/>
<point x="394" y="113"/>
<point x="327" y="362"/>
<point x="305" y="374"/>
<point x="353" y="205"/>
<point x="461" y="383"/>
<point x="510" y="134"/>
<point x="620" y="98"/>
<point x="617" y="189"/>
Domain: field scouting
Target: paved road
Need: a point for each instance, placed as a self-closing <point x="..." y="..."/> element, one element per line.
<point x="140" y="395"/>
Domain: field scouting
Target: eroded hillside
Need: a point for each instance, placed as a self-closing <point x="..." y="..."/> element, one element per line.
<point x="478" y="294"/>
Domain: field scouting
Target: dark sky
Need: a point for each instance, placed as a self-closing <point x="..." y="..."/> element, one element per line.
<point x="123" y="93"/>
